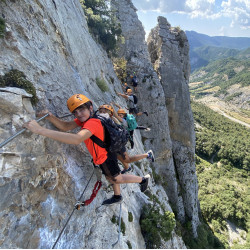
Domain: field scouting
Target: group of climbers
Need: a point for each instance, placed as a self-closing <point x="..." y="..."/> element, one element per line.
<point x="131" y="98"/>
<point x="134" y="83"/>
<point x="128" y="122"/>
<point x="93" y="134"/>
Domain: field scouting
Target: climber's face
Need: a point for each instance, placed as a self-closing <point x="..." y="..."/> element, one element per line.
<point x="105" y="111"/>
<point x="82" y="113"/>
<point x="121" y="115"/>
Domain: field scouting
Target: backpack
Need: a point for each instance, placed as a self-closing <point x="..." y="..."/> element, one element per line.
<point x="115" y="138"/>
<point x="132" y="124"/>
<point x="135" y="79"/>
<point x="135" y="99"/>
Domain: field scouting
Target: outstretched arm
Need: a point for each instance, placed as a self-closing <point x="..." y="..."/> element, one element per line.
<point x="67" y="138"/>
<point x="60" y="124"/>
<point x="123" y="95"/>
<point x="117" y="105"/>
<point x="115" y="113"/>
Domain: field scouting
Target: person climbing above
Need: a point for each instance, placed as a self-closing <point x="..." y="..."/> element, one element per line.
<point x="123" y="156"/>
<point x="131" y="100"/>
<point x="134" y="81"/>
<point x="122" y="116"/>
<point x="107" y="111"/>
<point x="82" y="108"/>
<point x="125" y="87"/>
<point x="129" y="121"/>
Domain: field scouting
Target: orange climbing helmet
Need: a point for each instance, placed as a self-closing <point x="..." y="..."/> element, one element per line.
<point x="76" y="100"/>
<point x="129" y="91"/>
<point x="108" y="107"/>
<point x="121" y="111"/>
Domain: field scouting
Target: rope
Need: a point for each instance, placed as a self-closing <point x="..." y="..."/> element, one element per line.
<point x="20" y="132"/>
<point x="119" y="231"/>
<point x="94" y="193"/>
<point x="71" y="214"/>
<point x="24" y="129"/>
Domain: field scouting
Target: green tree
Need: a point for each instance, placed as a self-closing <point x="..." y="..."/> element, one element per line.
<point x="102" y="23"/>
<point x="2" y="27"/>
<point x="156" y="225"/>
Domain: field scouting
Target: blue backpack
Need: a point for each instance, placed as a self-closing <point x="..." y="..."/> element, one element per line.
<point x="116" y="137"/>
<point x="132" y="124"/>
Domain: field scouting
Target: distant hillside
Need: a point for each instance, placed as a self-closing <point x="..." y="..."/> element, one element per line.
<point x="224" y="73"/>
<point x="224" y="86"/>
<point x="205" y="49"/>
<point x="222" y="163"/>
<point x="210" y="54"/>
<point x="200" y="57"/>
<point x="199" y="40"/>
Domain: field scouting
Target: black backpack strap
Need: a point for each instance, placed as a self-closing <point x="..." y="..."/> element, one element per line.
<point x="98" y="141"/>
<point x="94" y="138"/>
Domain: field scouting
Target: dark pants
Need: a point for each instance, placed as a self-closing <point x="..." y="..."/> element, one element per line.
<point x="110" y="167"/>
<point x="131" y="133"/>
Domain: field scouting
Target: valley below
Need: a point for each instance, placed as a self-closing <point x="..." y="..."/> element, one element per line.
<point x="235" y="105"/>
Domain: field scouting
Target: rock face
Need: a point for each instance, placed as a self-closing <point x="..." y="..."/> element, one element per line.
<point x="168" y="103"/>
<point x="169" y="49"/>
<point x="41" y="179"/>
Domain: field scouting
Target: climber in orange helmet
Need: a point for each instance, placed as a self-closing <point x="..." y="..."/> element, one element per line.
<point x="108" y="111"/>
<point x="131" y="100"/>
<point x="82" y="108"/>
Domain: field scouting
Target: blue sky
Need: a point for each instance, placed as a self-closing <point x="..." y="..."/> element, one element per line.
<point x="210" y="17"/>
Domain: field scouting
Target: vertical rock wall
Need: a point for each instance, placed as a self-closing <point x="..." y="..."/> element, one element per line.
<point x="169" y="51"/>
<point x="40" y="179"/>
<point x="168" y="103"/>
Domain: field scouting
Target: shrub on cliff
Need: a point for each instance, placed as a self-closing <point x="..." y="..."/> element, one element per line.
<point x="16" y="78"/>
<point x="2" y="27"/>
<point x="102" y="23"/>
<point x="156" y="225"/>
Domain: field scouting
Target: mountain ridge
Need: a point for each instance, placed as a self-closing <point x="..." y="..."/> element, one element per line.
<point x="198" y="40"/>
<point x="204" y="47"/>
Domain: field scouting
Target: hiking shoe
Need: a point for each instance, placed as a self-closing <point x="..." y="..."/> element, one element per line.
<point x="144" y="184"/>
<point x="126" y="170"/>
<point x="150" y="156"/>
<point x="112" y="201"/>
<point x="147" y="129"/>
<point x="146" y="113"/>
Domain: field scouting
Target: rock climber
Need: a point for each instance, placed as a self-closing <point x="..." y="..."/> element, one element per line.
<point x="123" y="156"/>
<point x="131" y="100"/>
<point x="82" y="107"/>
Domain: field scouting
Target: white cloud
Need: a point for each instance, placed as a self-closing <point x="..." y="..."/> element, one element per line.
<point x="164" y="6"/>
<point x="239" y="11"/>
<point x="200" y="7"/>
<point x="222" y="31"/>
<point x="168" y="6"/>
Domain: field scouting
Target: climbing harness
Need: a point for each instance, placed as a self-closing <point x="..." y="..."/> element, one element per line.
<point x="21" y="131"/>
<point x="85" y="203"/>
<point x="97" y="187"/>
<point x="119" y="231"/>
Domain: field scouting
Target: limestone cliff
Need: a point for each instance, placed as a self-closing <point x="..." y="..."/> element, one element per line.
<point x="166" y="96"/>
<point x="40" y="179"/>
<point x="169" y="50"/>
